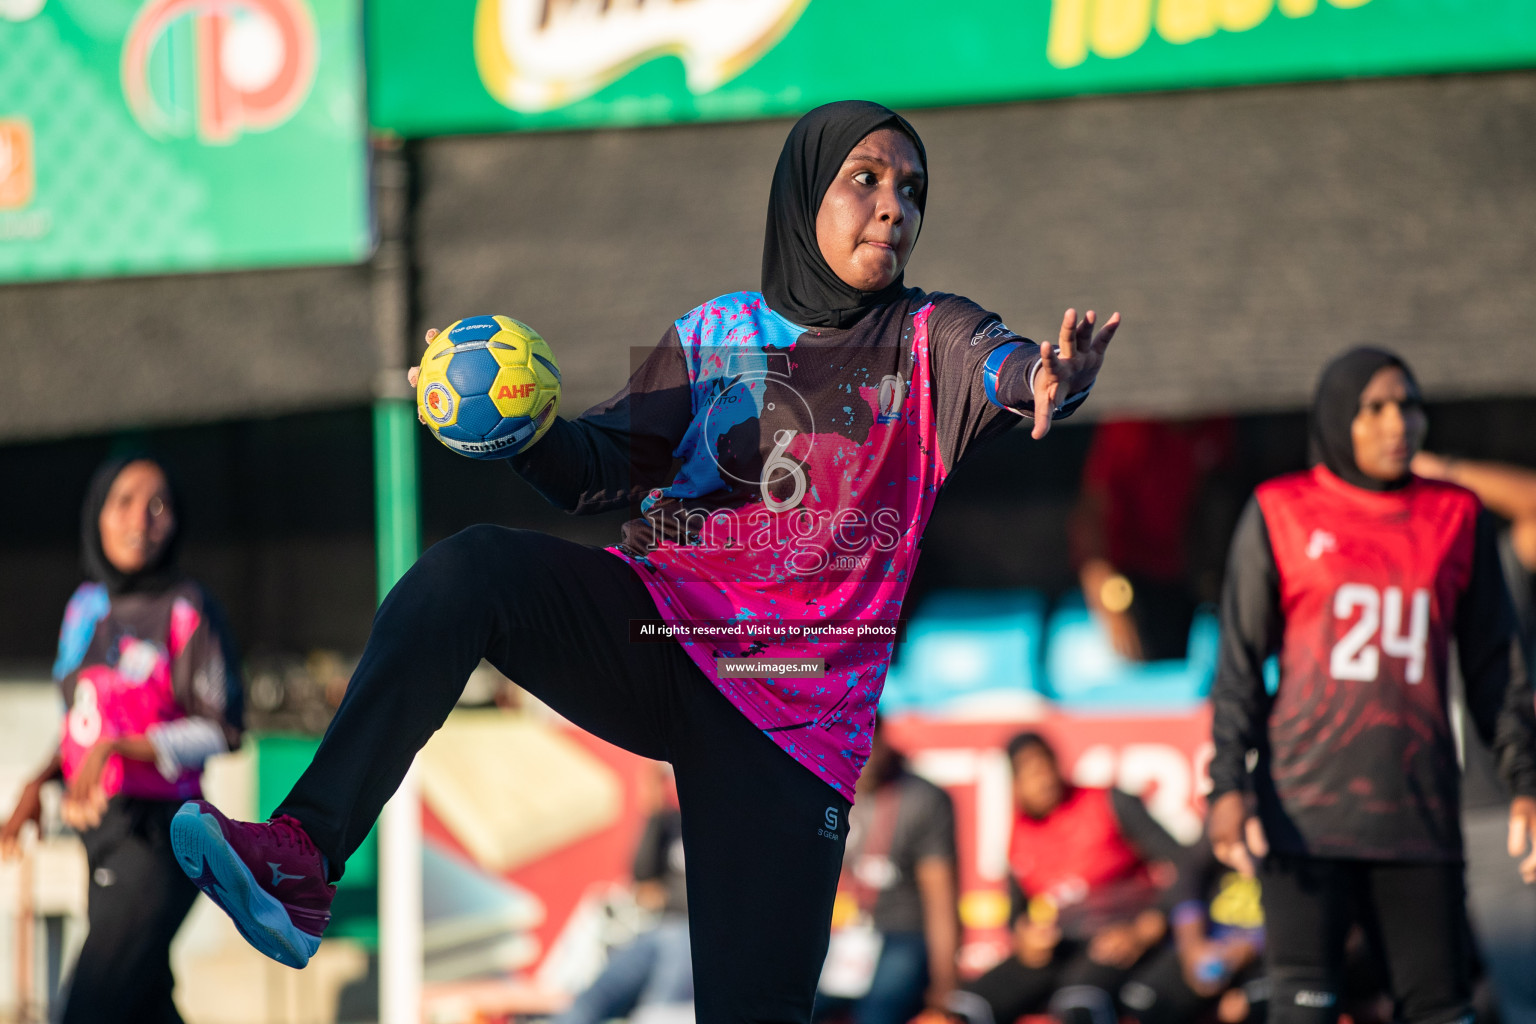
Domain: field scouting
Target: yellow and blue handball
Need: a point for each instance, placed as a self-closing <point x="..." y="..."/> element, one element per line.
<point x="489" y="387"/>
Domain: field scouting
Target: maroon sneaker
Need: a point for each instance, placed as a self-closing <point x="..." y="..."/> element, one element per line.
<point x="268" y="877"/>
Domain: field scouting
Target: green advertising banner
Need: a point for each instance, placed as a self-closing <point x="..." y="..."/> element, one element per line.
<point x="164" y="136"/>
<point x="490" y="65"/>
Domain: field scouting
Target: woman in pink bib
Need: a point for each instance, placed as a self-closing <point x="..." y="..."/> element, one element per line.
<point x="151" y="687"/>
<point x="780" y="451"/>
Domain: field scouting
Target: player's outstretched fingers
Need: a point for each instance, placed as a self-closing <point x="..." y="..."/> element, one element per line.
<point x="432" y="332"/>
<point x="1107" y="332"/>
<point x="1064" y="336"/>
<point x="1082" y="337"/>
<point x="1046" y="384"/>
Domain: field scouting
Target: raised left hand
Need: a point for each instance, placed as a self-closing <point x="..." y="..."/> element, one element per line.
<point x="1071" y="365"/>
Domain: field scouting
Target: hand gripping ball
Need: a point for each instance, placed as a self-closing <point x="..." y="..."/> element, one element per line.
<point x="488" y="387"/>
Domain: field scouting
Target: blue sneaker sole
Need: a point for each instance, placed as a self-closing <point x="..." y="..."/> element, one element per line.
<point x="215" y="868"/>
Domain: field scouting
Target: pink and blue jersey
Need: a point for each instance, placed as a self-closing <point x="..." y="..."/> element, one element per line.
<point x="131" y="664"/>
<point x="784" y="476"/>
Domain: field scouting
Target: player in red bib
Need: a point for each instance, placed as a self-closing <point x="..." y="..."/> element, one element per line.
<point x="1359" y="575"/>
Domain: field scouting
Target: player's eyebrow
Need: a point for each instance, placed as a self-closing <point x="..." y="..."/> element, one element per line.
<point x="912" y="174"/>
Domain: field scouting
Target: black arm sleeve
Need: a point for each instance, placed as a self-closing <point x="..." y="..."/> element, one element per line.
<point x="1251" y="629"/>
<point x="1145" y="833"/>
<point x="1498" y="688"/>
<point x="615" y="452"/>
<point x="961" y="335"/>
<point x="1014" y="380"/>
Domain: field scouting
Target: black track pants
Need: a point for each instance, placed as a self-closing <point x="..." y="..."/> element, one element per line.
<point x="1414" y="914"/>
<point x="554" y="616"/>
<point x="138" y="899"/>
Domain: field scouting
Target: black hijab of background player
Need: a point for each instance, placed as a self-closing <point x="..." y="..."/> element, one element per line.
<point x="1334" y="409"/>
<point x="797" y="281"/>
<point x="154" y="577"/>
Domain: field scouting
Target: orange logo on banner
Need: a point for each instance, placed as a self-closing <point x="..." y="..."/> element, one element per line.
<point x="17" y="179"/>
<point x="255" y="61"/>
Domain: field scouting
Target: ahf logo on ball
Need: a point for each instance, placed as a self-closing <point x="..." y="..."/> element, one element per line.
<point x="439" y="403"/>
<point x="536" y="55"/>
<point x="254" y="62"/>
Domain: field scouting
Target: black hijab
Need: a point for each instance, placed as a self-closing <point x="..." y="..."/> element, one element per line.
<point x="153" y="578"/>
<point x="1334" y="408"/>
<point x="797" y="282"/>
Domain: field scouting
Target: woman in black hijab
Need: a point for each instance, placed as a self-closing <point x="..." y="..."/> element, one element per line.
<point x="152" y="687"/>
<point x="797" y="280"/>
<point x="1358" y="575"/>
<point x="1366" y="454"/>
<point x="781" y="451"/>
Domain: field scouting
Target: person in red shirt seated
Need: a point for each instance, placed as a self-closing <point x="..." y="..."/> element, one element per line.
<point x="1086" y="906"/>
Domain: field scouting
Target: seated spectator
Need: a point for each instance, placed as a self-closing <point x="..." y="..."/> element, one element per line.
<point x="896" y="922"/>
<point x="1215" y="962"/>
<point x="1086" y="909"/>
<point x="656" y="968"/>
